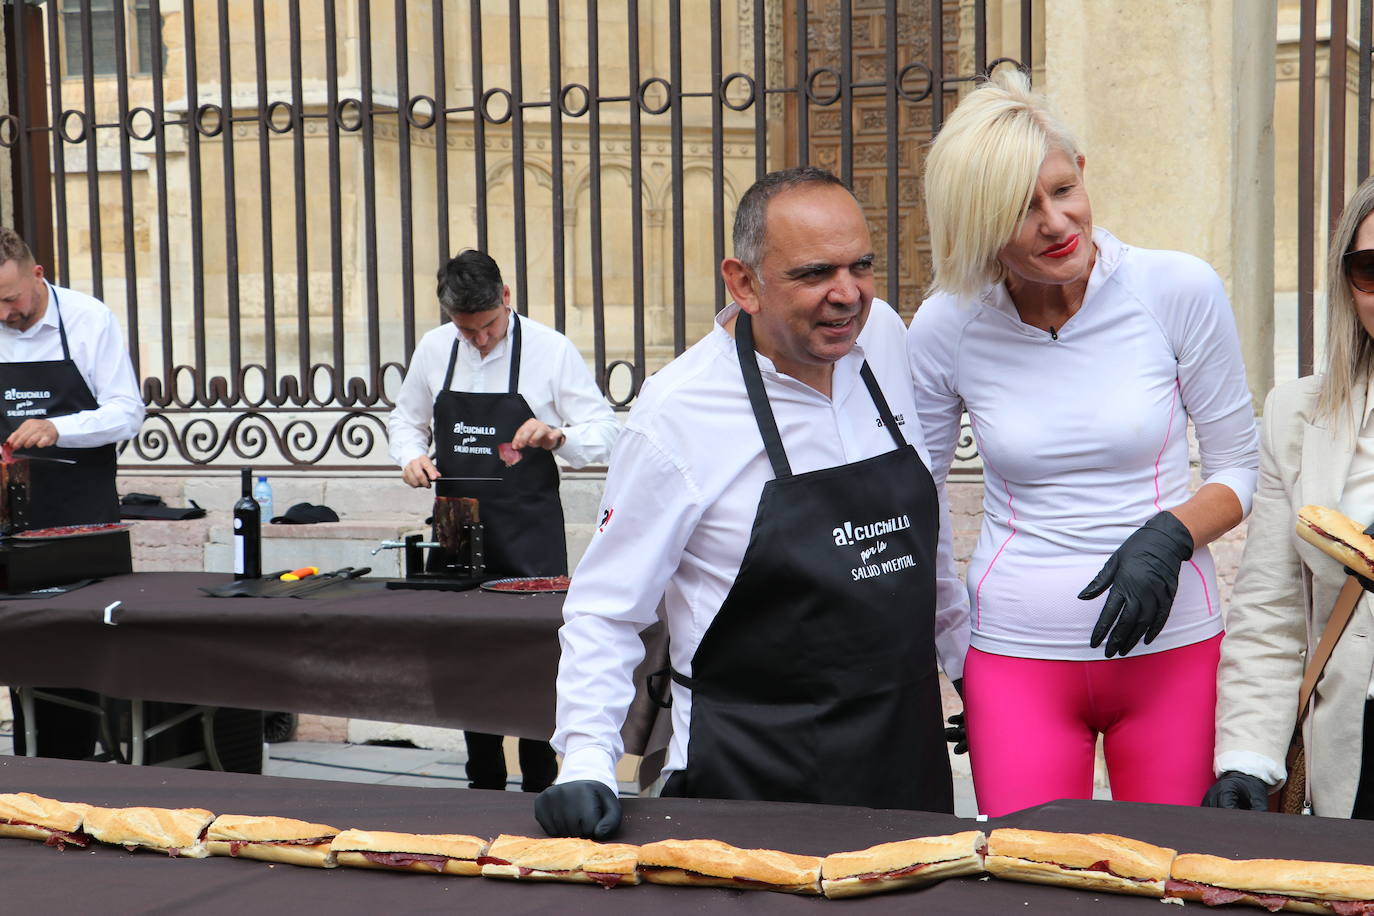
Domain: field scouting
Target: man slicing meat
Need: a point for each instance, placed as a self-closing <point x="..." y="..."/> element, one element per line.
<point x="67" y="390"/>
<point x="503" y="394"/>
<point x="771" y="485"/>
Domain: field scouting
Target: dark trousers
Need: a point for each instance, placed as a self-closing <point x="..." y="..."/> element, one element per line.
<point x="1364" y="796"/>
<point x="486" y="767"/>
<point x="62" y="731"/>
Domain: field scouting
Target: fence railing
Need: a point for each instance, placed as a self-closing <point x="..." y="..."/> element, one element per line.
<point x="264" y="190"/>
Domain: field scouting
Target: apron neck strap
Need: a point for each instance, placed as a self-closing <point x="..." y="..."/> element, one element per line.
<point x="514" y="352"/>
<point x="881" y="402"/>
<point x="61" y="326"/>
<point x="758" y="400"/>
<point x="763" y="411"/>
<point x="453" y="355"/>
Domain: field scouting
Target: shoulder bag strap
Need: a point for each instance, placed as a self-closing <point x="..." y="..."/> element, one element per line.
<point x="1335" y="626"/>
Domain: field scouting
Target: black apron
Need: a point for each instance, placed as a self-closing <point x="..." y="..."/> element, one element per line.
<point x="522" y="516"/>
<point x="59" y="494"/>
<point x="817" y="682"/>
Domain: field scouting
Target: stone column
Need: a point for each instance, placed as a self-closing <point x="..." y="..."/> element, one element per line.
<point x="1173" y="103"/>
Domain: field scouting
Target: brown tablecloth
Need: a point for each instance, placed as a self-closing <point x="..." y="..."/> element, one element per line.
<point x="476" y="660"/>
<point x="110" y="880"/>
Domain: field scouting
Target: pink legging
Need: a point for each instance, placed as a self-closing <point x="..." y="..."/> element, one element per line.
<point x="1033" y="726"/>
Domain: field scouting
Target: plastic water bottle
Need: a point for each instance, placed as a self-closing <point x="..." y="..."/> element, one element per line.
<point x="262" y="492"/>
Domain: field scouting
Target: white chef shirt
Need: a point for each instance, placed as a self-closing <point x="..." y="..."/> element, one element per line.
<point x="553" y="379"/>
<point x="681" y="495"/>
<point x="97" y="348"/>
<point x="1083" y="439"/>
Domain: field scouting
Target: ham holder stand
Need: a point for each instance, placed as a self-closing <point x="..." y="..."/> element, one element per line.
<point x="451" y="562"/>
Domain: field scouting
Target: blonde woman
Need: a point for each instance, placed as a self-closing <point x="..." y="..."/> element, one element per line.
<point x="1080" y="361"/>
<point x="1317" y="447"/>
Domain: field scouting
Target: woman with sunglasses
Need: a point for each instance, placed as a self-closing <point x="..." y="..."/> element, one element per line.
<point x="1080" y="361"/>
<point x="1317" y="447"/>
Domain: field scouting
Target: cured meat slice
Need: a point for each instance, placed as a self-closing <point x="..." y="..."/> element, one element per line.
<point x="510" y="455"/>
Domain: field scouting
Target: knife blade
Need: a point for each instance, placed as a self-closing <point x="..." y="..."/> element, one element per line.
<point x="437" y="479"/>
<point x="46" y="458"/>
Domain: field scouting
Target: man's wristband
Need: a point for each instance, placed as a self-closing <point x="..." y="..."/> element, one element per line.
<point x="562" y="439"/>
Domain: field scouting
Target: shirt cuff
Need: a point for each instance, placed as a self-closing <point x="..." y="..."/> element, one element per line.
<point x="1271" y="772"/>
<point x="589" y="762"/>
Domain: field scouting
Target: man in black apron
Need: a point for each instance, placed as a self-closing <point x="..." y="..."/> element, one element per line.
<point x="521" y="513"/>
<point x="63" y="327"/>
<point x="816" y="680"/>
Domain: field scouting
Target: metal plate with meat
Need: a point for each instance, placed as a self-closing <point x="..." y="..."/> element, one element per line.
<point x="69" y="531"/>
<point x="529" y="585"/>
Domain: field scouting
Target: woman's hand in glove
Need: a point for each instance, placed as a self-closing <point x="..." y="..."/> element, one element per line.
<point x="1237" y="790"/>
<point x="1143" y="576"/>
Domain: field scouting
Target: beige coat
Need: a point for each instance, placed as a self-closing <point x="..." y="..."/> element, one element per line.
<point x="1284" y="593"/>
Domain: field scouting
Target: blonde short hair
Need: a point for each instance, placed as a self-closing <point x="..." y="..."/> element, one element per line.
<point x="1349" y="349"/>
<point x="980" y="176"/>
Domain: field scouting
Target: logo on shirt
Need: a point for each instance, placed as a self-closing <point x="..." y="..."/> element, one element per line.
<point x="900" y="418"/>
<point x="605" y="517"/>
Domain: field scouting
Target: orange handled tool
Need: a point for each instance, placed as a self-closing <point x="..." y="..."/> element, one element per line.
<point x="301" y="573"/>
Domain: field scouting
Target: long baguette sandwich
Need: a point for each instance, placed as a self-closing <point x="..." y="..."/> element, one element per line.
<point x="428" y="853"/>
<point x="1275" y="884"/>
<point x="711" y="863"/>
<point x="1098" y="861"/>
<point x="907" y="863"/>
<point x="33" y="817"/>
<point x="175" y="831"/>
<point x="271" y="839"/>
<point x="1338" y="536"/>
<point x="561" y="859"/>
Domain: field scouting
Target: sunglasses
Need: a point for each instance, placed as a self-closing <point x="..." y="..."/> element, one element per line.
<point x="1359" y="268"/>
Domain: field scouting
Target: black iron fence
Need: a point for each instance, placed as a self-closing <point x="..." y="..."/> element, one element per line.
<point x="1340" y="73"/>
<point x="264" y="190"/>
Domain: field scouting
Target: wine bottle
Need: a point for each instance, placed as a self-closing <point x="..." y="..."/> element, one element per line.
<point x="247" y="532"/>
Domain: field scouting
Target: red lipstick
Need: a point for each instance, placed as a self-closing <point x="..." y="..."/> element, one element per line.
<point x="1063" y="249"/>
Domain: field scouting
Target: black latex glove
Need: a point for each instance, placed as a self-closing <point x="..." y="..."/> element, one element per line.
<point x="1237" y="790"/>
<point x="1143" y="575"/>
<point x="957" y="734"/>
<point x="582" y="808"/>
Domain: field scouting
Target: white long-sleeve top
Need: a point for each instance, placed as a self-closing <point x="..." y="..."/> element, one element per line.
<point x="553" y="379"/>
<point x="1083" y="439"/>
<point x="97" y="348"/>
<point x="681" y="495"/>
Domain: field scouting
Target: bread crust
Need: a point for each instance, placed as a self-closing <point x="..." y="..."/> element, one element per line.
<point x="1344" y="540"/>
<point x="1319" y="880"/>
<point x="265" y="828"/>
<point x="40" y="811"/>
<point x="317" y="855"/>
<point x="1124" y="856"/>
<point x="453" y="845"/>
<point x="355" y="859"/>
<point x="159" y="829"/>
<point x="561" y="854"/>
<point x="903" y="853"/>
<point x="940" y="857"/>
<point x="1045" y="873"/>
<point x="711" y="862"/>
